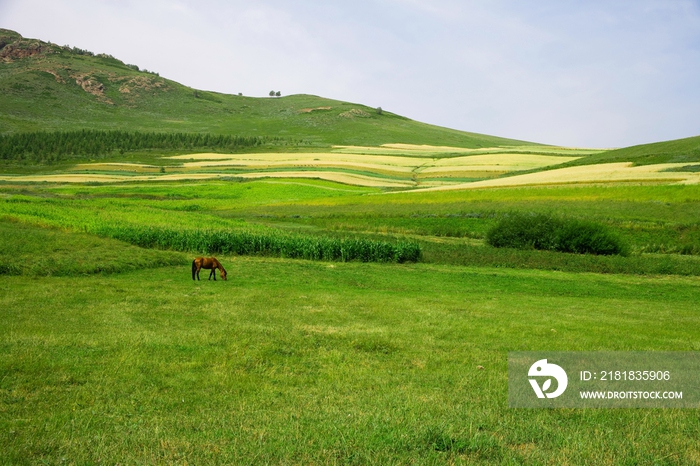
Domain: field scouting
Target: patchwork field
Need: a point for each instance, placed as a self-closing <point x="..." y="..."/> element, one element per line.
<point x="625" y="172"/>
<point x="390" y="166"/>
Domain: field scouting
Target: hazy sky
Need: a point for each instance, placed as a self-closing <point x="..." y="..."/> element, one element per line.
<point x="590" y="73"/>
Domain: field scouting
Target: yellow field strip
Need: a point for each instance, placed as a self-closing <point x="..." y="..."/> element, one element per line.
<point x="346" y="178"/>
<point x="442" y="151"/>
<point x="111" y="166"/>
<point x="380" y="163"/>
<point x="99" y="178"/>
<point x="302" y="164"/>
<point x="292" y="159"/>
<point x="495" y="162"/>
<point x="537" y="149"/>
<point x="448" y="174"/>
<point x="357" y="180"/>
<point x="600" y="173"/>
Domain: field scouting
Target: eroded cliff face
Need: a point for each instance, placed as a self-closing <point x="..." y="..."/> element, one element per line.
<point x="13" y="46"/>
<point x="87" y="70"/>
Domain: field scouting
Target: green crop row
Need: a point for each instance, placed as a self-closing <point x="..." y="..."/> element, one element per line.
<point x="267" y="244"/>
<point x="149" y="228"/>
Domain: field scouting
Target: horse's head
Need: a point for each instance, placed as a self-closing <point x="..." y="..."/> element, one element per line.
<point x="223" y="274"/>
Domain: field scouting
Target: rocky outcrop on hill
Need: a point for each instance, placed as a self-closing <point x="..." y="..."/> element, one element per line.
<point x="98" y="75"/>
<point x="13" y="46"/>
<point x="92" y="86"/>
<point x="355" y="112"/>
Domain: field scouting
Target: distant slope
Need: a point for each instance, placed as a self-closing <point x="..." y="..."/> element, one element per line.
<point x="47" y="87"/>
<point x="676" y="151"/>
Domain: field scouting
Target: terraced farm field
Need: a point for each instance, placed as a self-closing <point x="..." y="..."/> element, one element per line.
<point x="396" y="166"/>
<point x="391" y="166"/>
<point x="624" y="172"/>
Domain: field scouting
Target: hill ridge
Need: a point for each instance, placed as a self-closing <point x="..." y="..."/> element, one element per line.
<point x="44" y="86"/>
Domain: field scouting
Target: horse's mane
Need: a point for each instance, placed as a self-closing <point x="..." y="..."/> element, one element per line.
<point x="221" y="265"/>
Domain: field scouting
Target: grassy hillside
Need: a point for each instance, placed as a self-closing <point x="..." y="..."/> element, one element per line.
<point x="676" y="151"/>
<point x="52" y="88"/>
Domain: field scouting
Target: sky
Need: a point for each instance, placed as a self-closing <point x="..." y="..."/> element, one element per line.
<point x="595" y="73"/>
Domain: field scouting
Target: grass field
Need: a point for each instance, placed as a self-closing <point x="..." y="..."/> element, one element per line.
<point x="110" y="353"/>
<point x="685" y="150"/>
<point x="450" y="224"/>
<point x="299" y="362"/>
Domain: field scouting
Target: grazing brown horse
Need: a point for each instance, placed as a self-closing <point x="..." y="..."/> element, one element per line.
<point x="207" y="263"/>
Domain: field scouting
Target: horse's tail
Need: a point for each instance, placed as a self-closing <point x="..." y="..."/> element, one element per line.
<point x="194" y="268"/>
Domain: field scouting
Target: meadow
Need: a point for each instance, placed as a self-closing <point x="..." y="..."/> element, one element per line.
<point x="122" y="358"/>
<point x="301" y="362"/>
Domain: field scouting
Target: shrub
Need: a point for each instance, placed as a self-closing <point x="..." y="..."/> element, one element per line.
<point x="545" y="232"/>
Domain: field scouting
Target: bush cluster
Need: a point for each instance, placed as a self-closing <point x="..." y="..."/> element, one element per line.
<point x="268" y="244"/>
<point x="546" y="232"/>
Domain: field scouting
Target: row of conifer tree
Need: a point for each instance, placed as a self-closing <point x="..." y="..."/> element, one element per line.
<point x="44" y="146"/>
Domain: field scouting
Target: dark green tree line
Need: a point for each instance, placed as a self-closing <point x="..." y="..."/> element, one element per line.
<point x="54" y="146"/>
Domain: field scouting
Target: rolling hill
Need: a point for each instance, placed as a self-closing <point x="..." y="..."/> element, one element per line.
<point x="92" y="101"/>
<point x="46" y="87"/>
<point x="675" y="151"/>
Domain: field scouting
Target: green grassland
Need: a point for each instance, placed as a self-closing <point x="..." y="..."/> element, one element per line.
<point x="297" y="362"/>
<point x="34" y="251"/>
<point x="323" y="362"/>
<point x="110" y="353"/>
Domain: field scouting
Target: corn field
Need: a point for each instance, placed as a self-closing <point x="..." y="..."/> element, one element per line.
<point x="264" y="244"/>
